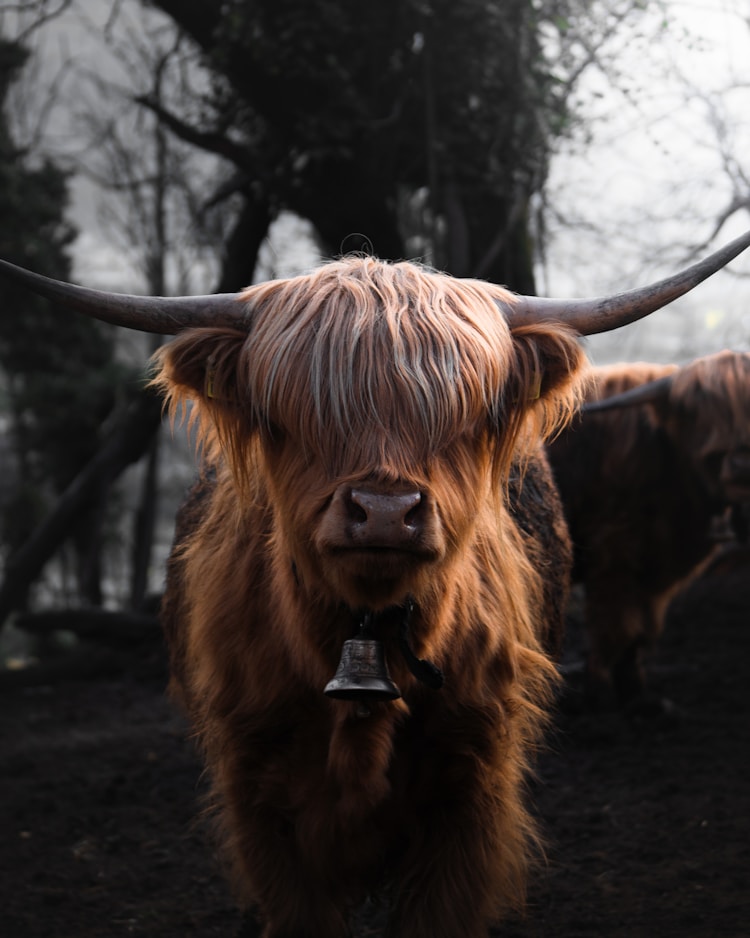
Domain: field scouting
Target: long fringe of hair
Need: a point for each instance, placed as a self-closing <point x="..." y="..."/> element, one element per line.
<point x="364" y="362"/>
<point x="709" y="397"/>
<point x="712" y="396"/>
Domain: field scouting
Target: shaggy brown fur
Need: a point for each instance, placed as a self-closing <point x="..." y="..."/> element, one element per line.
<point x="642" y="487"/>
<point x="366" y="373"/>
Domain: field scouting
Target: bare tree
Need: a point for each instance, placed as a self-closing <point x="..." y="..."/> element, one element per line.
<point x="28" y="16"/>
<point x="150" y="205"/>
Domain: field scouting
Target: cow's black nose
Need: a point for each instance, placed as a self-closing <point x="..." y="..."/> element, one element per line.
<point x="386" y="519"/>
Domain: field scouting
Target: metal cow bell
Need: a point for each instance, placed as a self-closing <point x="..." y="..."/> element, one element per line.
<point x="362" y="673"/>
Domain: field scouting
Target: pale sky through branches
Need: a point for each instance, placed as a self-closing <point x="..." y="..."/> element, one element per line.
<point x="639" y="185"/>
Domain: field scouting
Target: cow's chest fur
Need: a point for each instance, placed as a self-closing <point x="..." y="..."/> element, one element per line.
<point x="348" y="791"/>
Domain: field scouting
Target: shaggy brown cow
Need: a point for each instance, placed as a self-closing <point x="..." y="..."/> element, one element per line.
<point x="371" y="433"/>
<point x="644" y="477"/>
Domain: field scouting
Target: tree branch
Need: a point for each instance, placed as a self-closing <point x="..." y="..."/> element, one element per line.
<point x="44" y="15"/>
<point x="209" y="141"/>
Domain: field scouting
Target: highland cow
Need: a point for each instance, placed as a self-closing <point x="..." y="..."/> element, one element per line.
<point x="373" y="473"/>
<point x="645" y="475"/>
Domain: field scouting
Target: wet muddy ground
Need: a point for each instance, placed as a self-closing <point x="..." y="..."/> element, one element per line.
<point x="648" y="815"/>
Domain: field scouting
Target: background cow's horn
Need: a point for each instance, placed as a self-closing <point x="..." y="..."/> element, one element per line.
<point x="641" y="394"/>
<point x="588" y="317"/>
<point x="166" y="315"/>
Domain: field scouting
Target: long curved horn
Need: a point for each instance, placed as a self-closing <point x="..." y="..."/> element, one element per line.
<point x="165" y="315"/>
<point x="641" y="394"/>
<point x="588" y="317"/>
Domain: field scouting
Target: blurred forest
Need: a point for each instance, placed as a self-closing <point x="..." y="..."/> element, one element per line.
<point x="211" y="145"/>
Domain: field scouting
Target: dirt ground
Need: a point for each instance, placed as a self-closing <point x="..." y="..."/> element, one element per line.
<point x="648" y="817"/>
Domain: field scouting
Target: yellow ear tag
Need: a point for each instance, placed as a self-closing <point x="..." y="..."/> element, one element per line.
<point x="209" y="385"/>
<point x="535" y="391"/>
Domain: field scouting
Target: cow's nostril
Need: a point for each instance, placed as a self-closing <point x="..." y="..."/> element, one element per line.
<point x="357" y="512"/>
<point x="413" y="515"/>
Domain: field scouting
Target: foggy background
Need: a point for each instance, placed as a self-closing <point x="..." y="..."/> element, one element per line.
<point x="652" y="174"/>
<point x="659" y="157"/>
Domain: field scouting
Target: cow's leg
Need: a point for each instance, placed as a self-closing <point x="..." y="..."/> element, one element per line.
<point x="293" y="894"/>
<point x="305" y="929"/>
<point x="428" y="916"/>
<point x="628" y="676"/>
<point x="448" y="892"/>
<point x="293" y="899"/>
<point x="622" y="624"/>
<point x="250" y="926"/>
<point x="629" y="671"/>
<point x="295" y="906"/>
<point x="468" y="854"/>
<point x="615" y="627"/>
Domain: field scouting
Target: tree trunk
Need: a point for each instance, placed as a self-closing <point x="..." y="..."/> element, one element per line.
<point x="144" y="528"/>
<point x="115" y="629"/>
<point x="128" y="441"/>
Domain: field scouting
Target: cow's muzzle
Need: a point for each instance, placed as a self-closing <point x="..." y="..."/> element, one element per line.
<point x="377" y="519"/>
<point x="389" y="520"/>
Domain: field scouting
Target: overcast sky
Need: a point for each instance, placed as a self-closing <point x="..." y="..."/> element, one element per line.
<point x="648" y="180"/>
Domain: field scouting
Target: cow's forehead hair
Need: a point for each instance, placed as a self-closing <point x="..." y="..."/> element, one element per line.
<point x="713" y="392"/>
<point x="363" y="346"/>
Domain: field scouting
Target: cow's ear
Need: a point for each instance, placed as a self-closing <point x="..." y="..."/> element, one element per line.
<point x="549" y="358"/>
<point x="546" y="377"/>
<point x="203" y="365"/>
